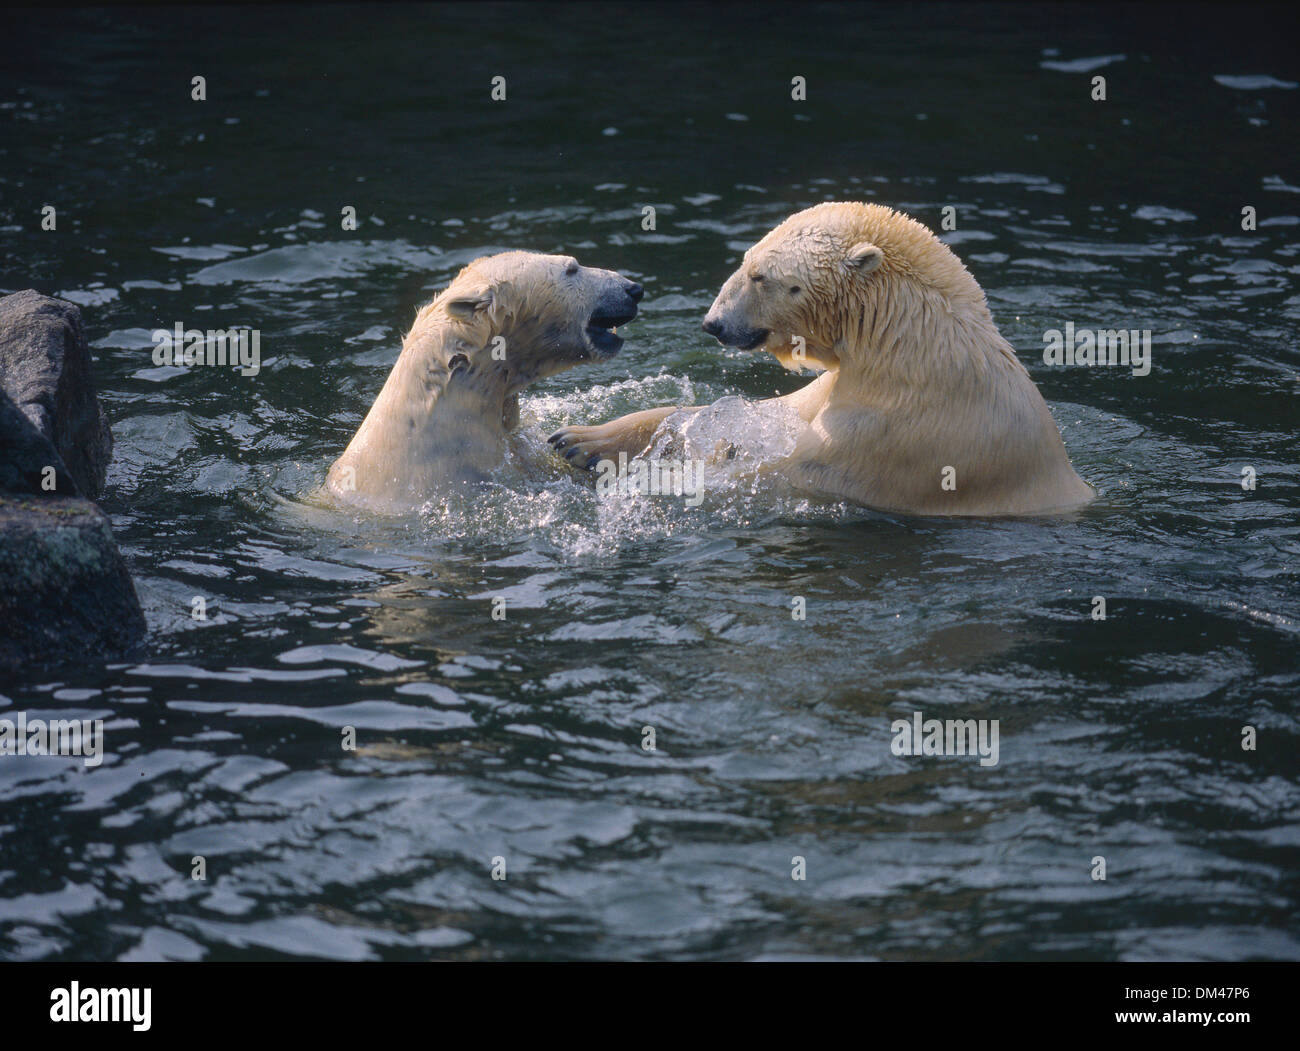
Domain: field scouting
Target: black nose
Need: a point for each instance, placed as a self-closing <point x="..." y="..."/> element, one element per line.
<point x="713" y="328"/>
<point x="634" y="292"/>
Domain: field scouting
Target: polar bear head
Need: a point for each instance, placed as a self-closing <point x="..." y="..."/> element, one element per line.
<point x="825" y="288"/>
<point x="523" y="316"/>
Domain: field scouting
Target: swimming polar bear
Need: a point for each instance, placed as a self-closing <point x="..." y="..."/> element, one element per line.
<point x="447" y="409"/>
<point x="922" y="407"/>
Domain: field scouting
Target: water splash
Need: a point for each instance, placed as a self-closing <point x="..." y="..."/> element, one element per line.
<point x="733" y="430"/>
<point x="537" y="500"/>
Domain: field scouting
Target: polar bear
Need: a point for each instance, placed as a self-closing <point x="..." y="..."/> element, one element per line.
<point x="922" y="407"/>
<point x="447" y="409"/>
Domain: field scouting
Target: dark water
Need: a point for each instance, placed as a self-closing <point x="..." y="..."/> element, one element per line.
<point x="521" y="738"/>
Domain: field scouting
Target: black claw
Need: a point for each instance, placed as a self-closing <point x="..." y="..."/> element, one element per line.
<point x="595" y="459"/>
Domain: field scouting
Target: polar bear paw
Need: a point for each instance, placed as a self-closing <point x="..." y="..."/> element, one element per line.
<point x="587" y="446"/>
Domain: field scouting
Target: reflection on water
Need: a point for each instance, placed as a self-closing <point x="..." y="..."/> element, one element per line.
<point x="522" y="737"/>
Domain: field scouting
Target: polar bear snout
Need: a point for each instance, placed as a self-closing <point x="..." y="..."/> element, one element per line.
<point x="737" y="316"/>
<point x="731" y="334"/>
<point x="616" y="305"/>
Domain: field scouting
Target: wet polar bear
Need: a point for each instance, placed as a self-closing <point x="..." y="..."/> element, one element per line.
<point x="922" y="406"/>
<point x="447" y="409"/>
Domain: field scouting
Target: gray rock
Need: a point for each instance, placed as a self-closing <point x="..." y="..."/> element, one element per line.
<point x="45" y="368"/>
<point x="65" y="593"/>
<point x="25" y="453"/>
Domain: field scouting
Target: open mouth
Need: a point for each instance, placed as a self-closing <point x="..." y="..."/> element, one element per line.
<point x="602" y="332"/>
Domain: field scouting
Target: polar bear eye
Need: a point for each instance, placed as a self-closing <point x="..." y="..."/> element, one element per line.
<point x="795" y="290"/>
<point x="572" y="267"/>
<point x="756" y="278"/>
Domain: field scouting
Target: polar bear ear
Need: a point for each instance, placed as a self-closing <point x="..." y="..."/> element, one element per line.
<point x="464" y="307"/>
<point x="864" y="257"/>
